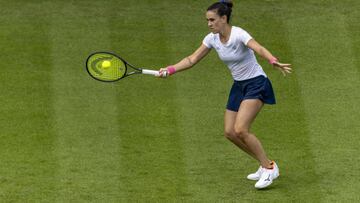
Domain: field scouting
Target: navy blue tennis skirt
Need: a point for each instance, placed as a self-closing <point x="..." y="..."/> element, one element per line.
<point x="255" y="88"/>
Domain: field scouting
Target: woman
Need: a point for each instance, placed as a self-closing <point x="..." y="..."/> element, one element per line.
<point x="251" y="89"/>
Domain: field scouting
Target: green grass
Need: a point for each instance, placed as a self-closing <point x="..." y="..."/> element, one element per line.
<point x="68" y="138"/>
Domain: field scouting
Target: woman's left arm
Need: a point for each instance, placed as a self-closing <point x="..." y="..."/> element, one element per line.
<point x="263" y="52"/>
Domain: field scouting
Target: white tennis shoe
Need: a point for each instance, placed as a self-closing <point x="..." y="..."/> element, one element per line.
<point x="266" y="178"/>
<point x="257" y="174"/>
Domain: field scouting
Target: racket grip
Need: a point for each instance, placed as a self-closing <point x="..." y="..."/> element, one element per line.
<point x="150" y="72"/>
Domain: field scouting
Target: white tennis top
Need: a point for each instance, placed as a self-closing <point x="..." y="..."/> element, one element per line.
<point x="235" y="54"/>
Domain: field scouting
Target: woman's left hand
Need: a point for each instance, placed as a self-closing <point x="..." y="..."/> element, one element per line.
<point x="285" y="68"/>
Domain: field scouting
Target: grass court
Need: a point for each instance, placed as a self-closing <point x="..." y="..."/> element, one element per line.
<point x="68" y="138"/>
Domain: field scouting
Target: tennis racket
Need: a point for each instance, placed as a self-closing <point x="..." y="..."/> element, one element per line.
<point x="109" y="67"/>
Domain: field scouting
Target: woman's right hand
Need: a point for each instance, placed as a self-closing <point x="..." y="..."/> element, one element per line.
<point x="163" y="73"/>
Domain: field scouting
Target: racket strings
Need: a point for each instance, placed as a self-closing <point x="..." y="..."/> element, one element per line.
<point x="105" y="67"/>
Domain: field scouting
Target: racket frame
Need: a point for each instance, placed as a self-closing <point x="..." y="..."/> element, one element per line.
<point x="136" y="69"/>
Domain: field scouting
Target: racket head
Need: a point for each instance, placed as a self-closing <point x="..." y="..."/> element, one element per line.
<point x="106" y="66"/>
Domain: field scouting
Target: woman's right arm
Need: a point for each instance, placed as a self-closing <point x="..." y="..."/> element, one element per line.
<point x="186" y="63"/>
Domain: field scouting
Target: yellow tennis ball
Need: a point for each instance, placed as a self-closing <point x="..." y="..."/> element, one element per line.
<point x="106" y="64"/>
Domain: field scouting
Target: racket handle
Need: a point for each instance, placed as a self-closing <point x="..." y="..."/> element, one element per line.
<point x="150" y="72"/>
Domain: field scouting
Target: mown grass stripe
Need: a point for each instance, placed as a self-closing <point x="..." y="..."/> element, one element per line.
<point x="285" y="124"/>
<point x="330" y="89"/>
<point x="27" y="161"/>
<point x="85" y="110"/>
<point x="199" y="121"/>
<point x="152" y="151"/>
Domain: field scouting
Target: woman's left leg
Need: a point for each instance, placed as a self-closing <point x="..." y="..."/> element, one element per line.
<point x="247" y="113"/>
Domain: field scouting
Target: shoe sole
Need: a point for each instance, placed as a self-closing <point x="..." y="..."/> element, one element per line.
<point x="264" y="186"/>
<point x="276" y="176"/>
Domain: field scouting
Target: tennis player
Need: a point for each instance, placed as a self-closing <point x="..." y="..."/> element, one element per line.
<point x="251" y="88"/>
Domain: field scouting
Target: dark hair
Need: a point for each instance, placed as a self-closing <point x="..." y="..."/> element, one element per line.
<point x="222" y="8"/>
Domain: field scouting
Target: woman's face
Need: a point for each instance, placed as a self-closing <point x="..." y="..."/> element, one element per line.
<point x="215" y="22"/>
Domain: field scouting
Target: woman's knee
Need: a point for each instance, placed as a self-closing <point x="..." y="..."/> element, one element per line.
<point x="241" y="132"/>
<point x="229" y="133"/>
<point x="236" y="133"/>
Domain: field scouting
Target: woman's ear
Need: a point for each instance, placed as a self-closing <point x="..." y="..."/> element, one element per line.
<point x="223" y="19"/>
